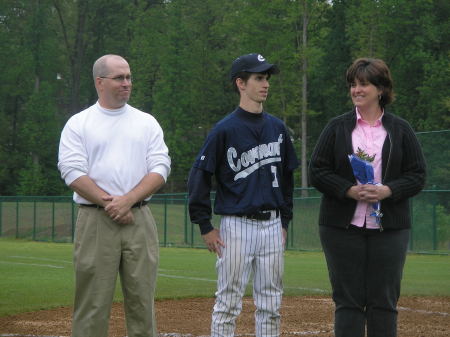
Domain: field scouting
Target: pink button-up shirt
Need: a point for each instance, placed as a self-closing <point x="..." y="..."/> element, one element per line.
<point x="369" y="138"/>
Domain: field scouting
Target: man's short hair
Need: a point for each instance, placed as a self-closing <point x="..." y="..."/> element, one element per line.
<point x="100" y="68"/>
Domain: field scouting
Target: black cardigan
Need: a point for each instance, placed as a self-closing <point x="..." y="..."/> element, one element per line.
<point x="403" y="170"/>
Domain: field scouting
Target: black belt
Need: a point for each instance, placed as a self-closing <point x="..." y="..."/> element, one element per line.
<point x="138" y="204"/>
<point x="261" y="215"/>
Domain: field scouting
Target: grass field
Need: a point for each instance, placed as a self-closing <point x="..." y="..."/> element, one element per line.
<point x="37" y="275"/>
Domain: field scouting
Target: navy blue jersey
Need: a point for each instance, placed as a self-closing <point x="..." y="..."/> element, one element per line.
<point x="252" y="158"/>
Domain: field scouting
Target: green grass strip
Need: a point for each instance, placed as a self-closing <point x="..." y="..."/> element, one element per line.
<point x="37" y="275"/>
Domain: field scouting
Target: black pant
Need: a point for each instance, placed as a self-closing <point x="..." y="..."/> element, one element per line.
<point x="365" y="268"/>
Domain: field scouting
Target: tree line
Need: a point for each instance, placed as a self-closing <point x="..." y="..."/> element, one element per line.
<point x="180" y="53"/>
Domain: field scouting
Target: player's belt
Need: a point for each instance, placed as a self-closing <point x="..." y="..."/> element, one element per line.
<point x="262" y="215"/>
<point x="138" y="204"/>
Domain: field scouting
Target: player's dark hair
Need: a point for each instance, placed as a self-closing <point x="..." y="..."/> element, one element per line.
<point x="244" y="75"/>
<point x="374" y="71"/>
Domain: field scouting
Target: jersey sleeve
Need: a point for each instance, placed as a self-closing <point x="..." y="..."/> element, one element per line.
<point x="291" y="160"/>
<point x="288" y="196"/>
<point x="210" y="152"/>
<point x="199" y="189"/>
<point x="199" y="182"/>
<point x="291" y="163"/>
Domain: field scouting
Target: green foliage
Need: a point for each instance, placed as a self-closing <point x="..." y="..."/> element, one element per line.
<point x="436" y="149"/>
<point x="38" y="143"/>
<point x="31" y="179"/>
<point x="364" y="156"/>
<point x="26" y="71"/>
<point x="180" y="53"/>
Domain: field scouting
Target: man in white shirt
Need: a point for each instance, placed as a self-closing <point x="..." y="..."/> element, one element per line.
<point x="114" y="158"/>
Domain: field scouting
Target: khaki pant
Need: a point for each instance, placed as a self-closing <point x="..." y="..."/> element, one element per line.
<point x="103" y="249"/>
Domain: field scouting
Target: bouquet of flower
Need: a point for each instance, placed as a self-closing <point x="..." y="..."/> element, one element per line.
<point x="363" y="171"/>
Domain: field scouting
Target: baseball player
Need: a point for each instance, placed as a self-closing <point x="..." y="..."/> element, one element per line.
<point x="252" y="157"/>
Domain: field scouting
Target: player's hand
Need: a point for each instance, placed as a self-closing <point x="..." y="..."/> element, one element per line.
<point x="213" y="242"/>
<point x="118" y="207"/>
<point x="284" y="238"/>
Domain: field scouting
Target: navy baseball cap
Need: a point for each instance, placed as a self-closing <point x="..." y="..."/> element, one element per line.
<point x="252" y="63"/>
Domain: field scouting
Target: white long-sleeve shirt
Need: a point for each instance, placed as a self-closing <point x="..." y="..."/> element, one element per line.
<point x="115" y="148"/>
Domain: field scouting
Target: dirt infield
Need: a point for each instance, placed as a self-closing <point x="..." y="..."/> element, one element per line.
<point x="301" y="316"/>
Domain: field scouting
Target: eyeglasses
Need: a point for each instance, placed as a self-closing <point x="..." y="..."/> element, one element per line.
<point x="119" y="78"/>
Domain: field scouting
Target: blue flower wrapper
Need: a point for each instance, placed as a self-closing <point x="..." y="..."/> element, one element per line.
<point x="363" y="171"/>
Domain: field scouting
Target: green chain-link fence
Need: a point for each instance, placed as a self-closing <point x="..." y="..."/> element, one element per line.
<point x="53" y="218"/>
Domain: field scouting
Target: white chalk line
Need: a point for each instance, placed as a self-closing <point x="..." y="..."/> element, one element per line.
<point x="187" y="277"/>
<point x="210" y="280"/>
<point x="33" y="264"/>
<point x="159" y="274"/>
<point x="36" y="264"/>
<point x="39" y="259"/>
<point x="424" y="311"/>
<point x="308" y="289"/>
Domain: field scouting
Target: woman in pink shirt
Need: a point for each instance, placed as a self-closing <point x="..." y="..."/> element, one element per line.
<point x="366" y="253"/>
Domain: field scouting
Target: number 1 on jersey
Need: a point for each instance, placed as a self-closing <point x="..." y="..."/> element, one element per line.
<point x="275" y="180"/>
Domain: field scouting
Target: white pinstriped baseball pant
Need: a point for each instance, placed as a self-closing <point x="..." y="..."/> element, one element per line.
<point x="250" y="246"/>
